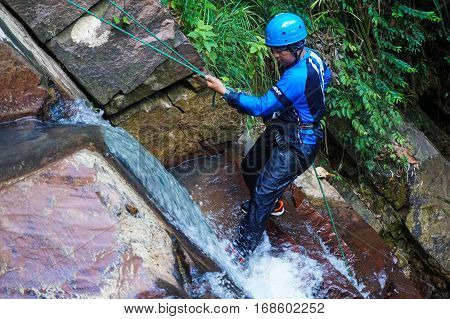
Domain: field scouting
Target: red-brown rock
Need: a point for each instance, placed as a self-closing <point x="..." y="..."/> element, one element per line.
<point x="20" y="90"/>
<point x="65" y="233"/>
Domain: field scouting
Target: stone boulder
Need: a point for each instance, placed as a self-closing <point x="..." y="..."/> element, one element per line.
<point x="82" y="232"/>
<point x="21" y="93"/>
<point x="419" y="197"/>
<point x="47" y="18"/>
<point x="157" y="81"/>
<point x="107" y="62"/>
<point x="87" y="212"/>
<point x="309" y="186"/>
<point x="428" y="218"/>
<point x="179" y="123"/>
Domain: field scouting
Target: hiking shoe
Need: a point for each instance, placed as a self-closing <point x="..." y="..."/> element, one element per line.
<point x="278" y="211"/>
<point x="234" y="255"/>
<point x="279" y="208"/>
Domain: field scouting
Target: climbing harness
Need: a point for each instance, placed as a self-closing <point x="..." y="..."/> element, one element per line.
<point x="330" y="213"/>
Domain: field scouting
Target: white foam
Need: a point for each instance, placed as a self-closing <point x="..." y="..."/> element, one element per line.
<point x="286" y="276"/>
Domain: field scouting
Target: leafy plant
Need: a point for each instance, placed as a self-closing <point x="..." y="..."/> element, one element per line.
<point x="204" y="40"/>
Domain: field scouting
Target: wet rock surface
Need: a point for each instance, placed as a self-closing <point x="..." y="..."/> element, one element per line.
<point x="73" y="237"/>
<point x="409" y="208"/>
<point x="163" y="76"/>
<point x="91" y="225"/>
<point x="21" y="93"/>
<point x="428" y="219"/>
<point x="370" y="258"/>
<point x="215" y="183"/>
<point x="30" y="78"/>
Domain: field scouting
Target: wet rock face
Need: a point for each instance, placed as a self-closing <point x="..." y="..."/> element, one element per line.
<point x="106" y="61"/>
<point x="428" y="218"/>
<point x="179" y="123"/>
<point x="157" y="81"/>
<point x="215" y="183"/>
<point x="81" y="232"/>
<point x="47" y="18"/>
<point x="21" y="93"/>
<point x="413" y="206"/>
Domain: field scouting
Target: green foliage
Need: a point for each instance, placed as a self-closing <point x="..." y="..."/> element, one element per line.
<point x="116" y="20"/>
<point x="204" y="40"/>
<point x="229" y="35"/>
<point x="375" y="49"/>
<point x="375" y="71"/>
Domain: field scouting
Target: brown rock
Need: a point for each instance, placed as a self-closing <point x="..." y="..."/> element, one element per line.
<point x="164" y="75"/>
<point x="181" y="124"/>
<point x="14" y="34"/>
<point x="107" y="62"/>
<point x="67" y="241"/>
<point x="321" y="225"/>
<point x="20" y="90"/>
<point x="371" y="260"/>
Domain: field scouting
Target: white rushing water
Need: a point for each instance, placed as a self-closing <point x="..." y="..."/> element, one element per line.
<point x="77" y="112"/>
<point x="288" y="275"/>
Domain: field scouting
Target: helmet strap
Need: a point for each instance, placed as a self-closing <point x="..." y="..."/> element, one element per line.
<point x="297" y="49"/>
<point x="296" y="53"/>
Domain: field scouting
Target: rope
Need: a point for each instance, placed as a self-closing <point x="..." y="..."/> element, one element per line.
<point x="131" y="35"/>
<point x="330" y="213"/>
<point x="121" y="9"/>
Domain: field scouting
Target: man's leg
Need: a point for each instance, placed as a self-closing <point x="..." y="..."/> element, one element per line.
<point x="280" y="170"/>
<point x="256" y="158"/>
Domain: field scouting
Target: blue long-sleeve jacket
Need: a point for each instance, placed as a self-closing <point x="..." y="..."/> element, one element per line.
<point x="302" y="86"/>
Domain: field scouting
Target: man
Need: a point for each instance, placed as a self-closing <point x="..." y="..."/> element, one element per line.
<point x="292" y="110"/>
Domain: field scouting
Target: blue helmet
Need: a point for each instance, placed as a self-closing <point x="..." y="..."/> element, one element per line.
<point x="285" y="29"/>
